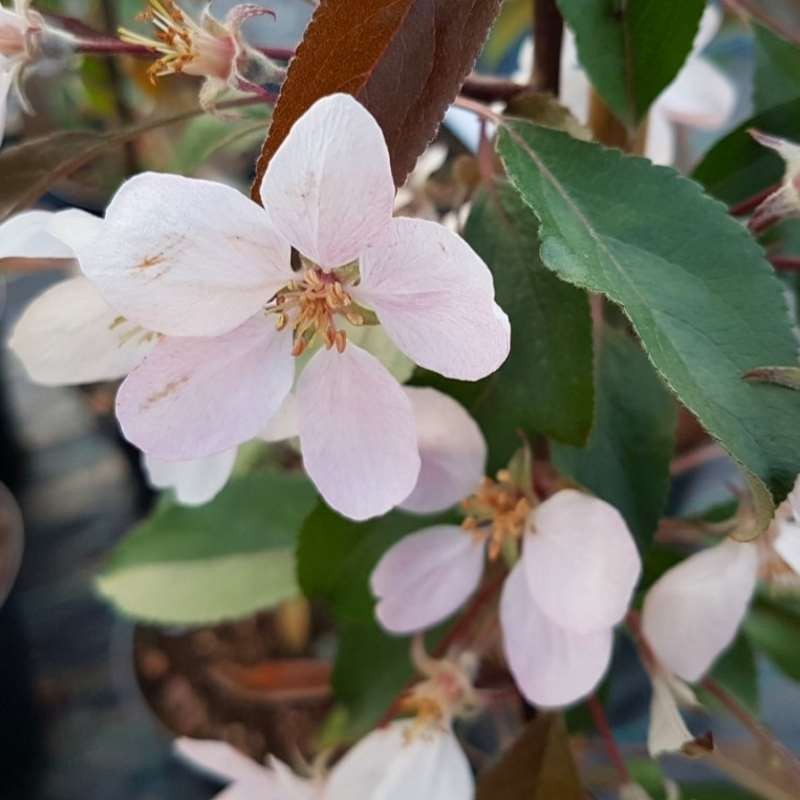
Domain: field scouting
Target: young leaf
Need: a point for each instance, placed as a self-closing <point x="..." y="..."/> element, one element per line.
<point x="624" y="48"/>
<point x="545" y="385"/>
<point x="223" y="560"/>
<point x="404" y="60"/>
<point x="777" y="75"/>
<point x="738" y="167"/>
<point x="705" y="303"/>
<point x="626" y="460"/>
<point x="538" y="766"/>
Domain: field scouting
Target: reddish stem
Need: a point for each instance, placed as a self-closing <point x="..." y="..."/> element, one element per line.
<point x="785" y="263"/>
<point x="604" y="729"/>
<point x="748" y="205"/>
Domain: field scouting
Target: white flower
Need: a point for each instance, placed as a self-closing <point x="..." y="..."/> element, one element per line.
<point x="559" y="605"/>
<point x="247" y="780"/>
<point x="211" y="271"/>
<point x="692" y="612"/>
<point x="209" y="49"/>
<point x="700" y="96"/>
<point x="784" y="201"/>
<point x="667" y="732"/>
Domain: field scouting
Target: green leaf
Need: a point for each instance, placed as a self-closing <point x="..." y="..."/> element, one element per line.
<point x="624" y="48"/>
<point x="704" y="301"/>
<point x="626" y="460"/>
<point x="545" y="385"/>
<point x="223" y="560"/>
<point x="737" y="167"/>
<point x="774" y="629"/>
<point x="777" y="75"/>
<point x="538" y="766"/>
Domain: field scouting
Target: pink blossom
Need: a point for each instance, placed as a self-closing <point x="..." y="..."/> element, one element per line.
<point x="214" y="50"/>
<point x="210" y="271"/>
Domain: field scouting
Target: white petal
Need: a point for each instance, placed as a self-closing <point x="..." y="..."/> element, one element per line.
<point x="185" y="257"/>
<point x="660" y="137"/>
<point x="357" y="433"/>
<point x="220" y="760"/>
<point x="6" y="79"/>
<point x="284" y="424"/>
<point x="667" y="732"/>
<point x="194" y="482"/>
<point x="787" y="543"/>
<point x="552" y="666"/>
<point x="329" y="189"/>
<point x="452" y="450"/>
<point x="393" y="763"/>
<point x="794" y="498"/>
<point x="701" y="96"/>
<point x="692" y="612"/>
<point x="581" y="561"/>
<point x="425" y="577"/>
<point x="27" y="235"/>
<point x="192" y="398"/>
<point x="710" y="23"/>
<point x="435" y="297"/>
<point x="69" y="335"/>
<point x="75" y="228"/>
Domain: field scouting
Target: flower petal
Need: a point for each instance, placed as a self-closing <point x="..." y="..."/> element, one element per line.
<point x="551" y="665"/>
<point x="284" y="424"/>
<point x="357" y="433"/>
<point x="194" y="482"/>
<point x="68" y="335"/>
<point x="581" y="561"/>
<point x="75" y="228"/>
<point x="28" y="235"/>
<point x="185" y="257"/>
<point x="220" y="760"/>
<point x="6" y="80"/>
<point x="787" y="543"/>
<point x="692" y="612"/>
<point x="393" y="763"/>
<point x="435" y="297"/>
<point x="702" y="96"/>
<point x="192" y="398"/>
<point x="425" y="577"/>
<point x="329" y="189"/>
<point x="452" y="450"/>
<point x="667" y="732"/>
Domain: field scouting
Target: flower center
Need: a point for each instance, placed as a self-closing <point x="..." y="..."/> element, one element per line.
<point x="183" y="44"/>
<point x="309" y="307"/>
<point x="497" y="511"/>
<point x="127" y="332"/>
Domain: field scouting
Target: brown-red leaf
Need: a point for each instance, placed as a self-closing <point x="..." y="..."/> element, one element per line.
<point x="405" y="60"/>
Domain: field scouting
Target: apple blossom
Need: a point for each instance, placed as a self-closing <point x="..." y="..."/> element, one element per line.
<point x="209" y="49"/>
<point x="559" y="604"/>
<point x="211" y="270"/>
<point x="784" y="201"/>
<point x="24" y="38"/>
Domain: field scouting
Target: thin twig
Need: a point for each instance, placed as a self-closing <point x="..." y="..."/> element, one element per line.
<point x="606" y="734"/>
<point x="785" y="263"/>
<point x="750" y="203"/>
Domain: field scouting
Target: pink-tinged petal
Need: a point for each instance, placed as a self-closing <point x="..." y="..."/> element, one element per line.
<point x="192" y="398"/>
<point x="452" y="450"/>
<point x="581" y="561"/>
<point x="329" y="189"/>
<point x="435" y="297"/>
<point x="552" y="666"/>
<point x="68" y="335"/>
<point x="185" y="257"/>
<point x="425" y="577"/>
<point x="194" y="482"/>
<point x="397" y="763"/>
<point x="357" y="433"/>
<point x="692" y="612"/>
<point x="787" y="543"/>
<point x="220" y="760"/>
<point x="667" y="732"/>
<point x="27" y="235"/>
<point x="284" y="424"/>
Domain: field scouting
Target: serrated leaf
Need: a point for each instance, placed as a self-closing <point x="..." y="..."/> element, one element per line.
<point x="545" y="385"/>
<point x="704" y="301"/>
<point x="737" y="167"/>
<point x="226" y="559"/>
<point x="404" y="60"/>
<point x="626" y="460"/>
<point x="777" y="75"/>
<point x="538" y="766"/>
<point x="623" y="48"/>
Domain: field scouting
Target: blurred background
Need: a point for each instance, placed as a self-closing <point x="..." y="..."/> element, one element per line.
<point x="89" y="703"/>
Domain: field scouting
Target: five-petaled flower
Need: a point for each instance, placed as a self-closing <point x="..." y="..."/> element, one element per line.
<point x="211" y="49"/>
<point x="560" y="603"/>
<point x="211" y="272"/>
